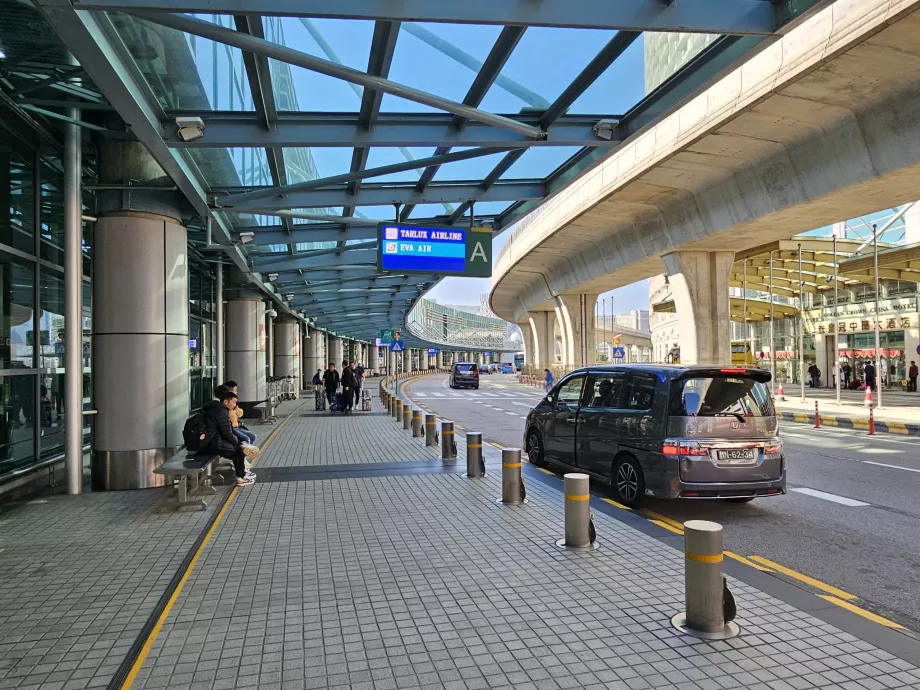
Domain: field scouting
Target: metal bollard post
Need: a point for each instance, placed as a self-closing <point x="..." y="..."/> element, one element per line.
<point x="579" y="532"/>
<point x="417" y="423"/>
<point x="431" y="430"/>
<point x="706" y="593"/>
<point x="513" y="492"/>
<point x="448" y="447"/>
<point x="475" y="464"/>
<point x="407" y="416"/>
<point x="399" y="411"/>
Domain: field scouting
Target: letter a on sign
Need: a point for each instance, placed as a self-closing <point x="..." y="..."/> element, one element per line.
<point x="479" y="252"/>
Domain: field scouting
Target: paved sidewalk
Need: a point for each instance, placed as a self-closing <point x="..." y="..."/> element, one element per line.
<point x="899" y="415"/>
<point x="386" y="568"/>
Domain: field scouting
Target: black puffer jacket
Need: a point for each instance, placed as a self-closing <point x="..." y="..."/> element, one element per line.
<point x="221" y="438"/>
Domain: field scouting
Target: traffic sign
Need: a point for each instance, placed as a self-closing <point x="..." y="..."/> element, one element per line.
<point x="396" y="346"/>
<point x="433" y="350"/>
<point x="618" y="353"/>
<point x="386" y="335"/>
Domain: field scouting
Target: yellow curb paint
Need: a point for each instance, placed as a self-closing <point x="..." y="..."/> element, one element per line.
<point x="544" y="470"/>
<point x="667" y="527"/>
<point x="795" y="575"/>
<point x="148" y="643"/>
<point x="898" y="428"/>
<point x="664" y="518"/>
<point x="747" y="562"/>
<point x="614" y="503"/>
<point x="861" y="612"/>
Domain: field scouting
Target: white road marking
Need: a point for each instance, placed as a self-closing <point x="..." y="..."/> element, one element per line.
<point x="419" y="394"/>
<point x="513" y="414"/>
<point x="522" y="405"/>
<point x="834" y="498"/>
<point x="895" y="467"/>
<point x="438" y="395"/>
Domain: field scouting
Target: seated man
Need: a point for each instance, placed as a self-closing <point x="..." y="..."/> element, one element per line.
<point x="220" y="437"/>
<point x="244" y="434"/>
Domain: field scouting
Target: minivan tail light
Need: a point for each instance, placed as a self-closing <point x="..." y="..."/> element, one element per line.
<point x="733" y="371"/>
<point x="675" y="448"/>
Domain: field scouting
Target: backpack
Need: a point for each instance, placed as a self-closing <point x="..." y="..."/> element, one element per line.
<point x="195" y="432"/>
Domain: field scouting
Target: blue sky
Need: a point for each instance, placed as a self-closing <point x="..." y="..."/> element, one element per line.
<point x="544" y="62"/>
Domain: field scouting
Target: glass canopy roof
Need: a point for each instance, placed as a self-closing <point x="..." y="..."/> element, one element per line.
<point x="322" y="121"/>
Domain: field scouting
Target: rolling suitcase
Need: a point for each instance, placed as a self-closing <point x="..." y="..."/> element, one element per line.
<point x="338" y="403"/>
<point x="366" y="402"/>
<point x="320" y="395"/>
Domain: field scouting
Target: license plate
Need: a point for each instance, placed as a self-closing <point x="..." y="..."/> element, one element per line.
<point x="739" y="455"/>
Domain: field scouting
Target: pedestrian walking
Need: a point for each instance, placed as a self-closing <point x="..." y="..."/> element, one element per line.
<point x="912" y="377"/>
<point x="869" y="369"/>
<point x="348" y="387"/>
<point x="549" y="380"/>
<point x="331" y="382"/>
<point x="847" y="371"/>
<point x="358" y="383"/>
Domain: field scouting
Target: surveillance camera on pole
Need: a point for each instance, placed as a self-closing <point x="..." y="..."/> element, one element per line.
<point x="271" y="313"/>
<point x="272" y="277"/>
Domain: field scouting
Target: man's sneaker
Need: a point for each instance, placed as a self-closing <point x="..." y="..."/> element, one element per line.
<point x="247" y="463"/>
<point x="245" y="481"/>
<point x="250" y="474"/>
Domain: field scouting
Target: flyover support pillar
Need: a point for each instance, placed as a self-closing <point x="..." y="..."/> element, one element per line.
<point x="334" y="352"/>
<point x="542" y="327"/>
<point x="576" y="316"/>
<point x="699" y="283"/>
<point x="528" y="336"/>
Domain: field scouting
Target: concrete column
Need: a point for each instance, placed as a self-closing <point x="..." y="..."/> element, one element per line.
<point x="284" y="345"/>
<point x="315" y="354"/>
<point x="335" y="352"/>
<point x="699" y="283"/>
<point x="246" y="348"/>
<point x="576" y="314"/>
<point x="373" y="353"/>
<point x="530" y="354"/>
<point x="140" y="324"/>
<point x="391" y="363"/>
<point x="542" y="326"/>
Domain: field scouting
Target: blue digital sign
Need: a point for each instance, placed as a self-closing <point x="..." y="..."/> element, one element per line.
<point x="431" y="250"/>
<point x="446" y="251"/>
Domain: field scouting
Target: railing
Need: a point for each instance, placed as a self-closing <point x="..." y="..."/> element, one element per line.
<point x="435" y="323"/>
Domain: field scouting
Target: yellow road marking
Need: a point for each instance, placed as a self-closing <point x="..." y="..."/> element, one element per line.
<point x="148" y="643"/>
<point x="457" y="426"/>
<point x="704" y="557"/>
<point x="817" y="584"/>
<point x="861" y="612"/>
<point x="614" y="503"/>
<point x="664" y="518"/>
<point x="667" y="527"/>
<point x="500" y="447"/>
<point x="578" y="497"/>
<point x="545" y="471"/>
<point x="748" y="562"/>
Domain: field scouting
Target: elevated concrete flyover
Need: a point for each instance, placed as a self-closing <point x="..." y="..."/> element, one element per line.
<point x="820" y="125"/>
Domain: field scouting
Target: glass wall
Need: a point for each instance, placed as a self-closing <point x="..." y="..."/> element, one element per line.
<point x="201" y="318"/>
<point x="32" y="310"/>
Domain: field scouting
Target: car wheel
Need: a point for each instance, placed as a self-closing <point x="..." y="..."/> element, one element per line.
<point x="535" y="449"/>
<point x="475" y="388"/>
<point x="741" y="499"/>
<point x="628" y="482"/>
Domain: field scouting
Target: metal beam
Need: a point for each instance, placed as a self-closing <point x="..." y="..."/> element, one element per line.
<point x="501" y="50"/>
<point x="373" y="297"/>
<point x="592" y="71"/>
<point x="98" y="48"/>
<point x="205" y="29"/>
<point x="346" y="258"/>
<point x="331" y="274"/>
<point x="261" y="264"/>
<point x="246" y="198"/>
<point x="383" y="195"/>
<point x="276" y="234"/>
<point x="392" y="130"/>
<point x="690" y="16"/>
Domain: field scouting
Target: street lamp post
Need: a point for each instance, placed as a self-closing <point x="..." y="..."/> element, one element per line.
<point x="836" y="324"/>
<point x="801" y="329"/>
<point x="772" y="335"/>
<point x="878" y="352"/>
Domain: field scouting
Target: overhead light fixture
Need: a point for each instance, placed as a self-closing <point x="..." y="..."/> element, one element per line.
<point x="247" y="237"/>
<point x="2" y="54"/>
<point x="289" y="297"/>
<point x="272" y="277"/>
<point x="190" y="128"/>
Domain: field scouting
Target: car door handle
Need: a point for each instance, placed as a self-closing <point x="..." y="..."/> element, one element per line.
<point x="573" y="421"/>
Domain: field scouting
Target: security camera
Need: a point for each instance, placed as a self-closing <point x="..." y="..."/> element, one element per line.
<point x="272" y="277"/>
<point x="190" y="128"/>
<point x="247" y="237"/>
<point x="271" y="313"/>
<point x="289" y="297"/>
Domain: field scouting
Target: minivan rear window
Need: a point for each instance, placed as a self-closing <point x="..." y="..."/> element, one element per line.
<point x="720" y="396"/>
<point x="466" y="368"/>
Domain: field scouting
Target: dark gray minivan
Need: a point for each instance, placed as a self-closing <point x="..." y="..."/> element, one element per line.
<point x="663" y="431"/>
